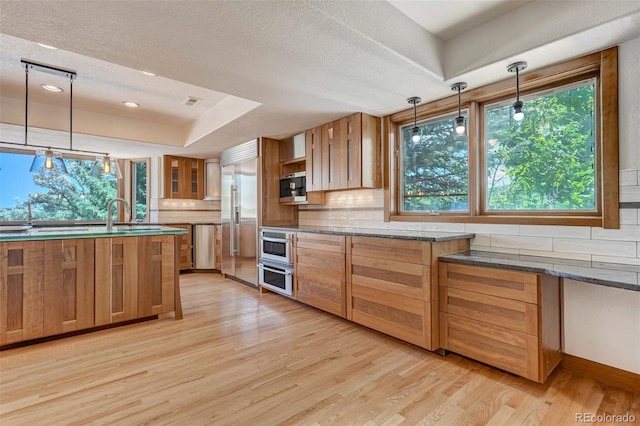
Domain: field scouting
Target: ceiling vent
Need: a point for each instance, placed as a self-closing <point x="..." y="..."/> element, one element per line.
<point x="191" y="101"/>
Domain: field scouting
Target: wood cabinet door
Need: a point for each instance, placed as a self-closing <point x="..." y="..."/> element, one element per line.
<point x="313" y="150"/>
<point x="183" y="177"/>
<point x="172" y="177"/>
<point x="353" y="151"/>
<point x="320" y="280"/>
<point x="333" y="155"/>
<point x="186" y="246"/>
<point x="155" y="274"/>
<point x="116" y="291"/>
<point x="68" y="285"/>
<point x="21" y="291"/>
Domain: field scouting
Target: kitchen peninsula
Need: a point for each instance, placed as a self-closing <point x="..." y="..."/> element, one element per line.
<point x="59" y="280"/>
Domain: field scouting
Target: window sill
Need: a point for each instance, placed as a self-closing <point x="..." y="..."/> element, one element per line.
<point x="506" y="220"/>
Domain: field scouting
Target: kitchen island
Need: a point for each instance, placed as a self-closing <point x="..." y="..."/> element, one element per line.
<point x="58" y="280"/>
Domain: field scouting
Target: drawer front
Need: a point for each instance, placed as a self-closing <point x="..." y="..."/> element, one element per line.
<point x="492" y="281"/>
<point x="404" y="279"/>
<point x="390" y="249"/>
<point x="498" y="346"/>
<point x="324" y="242"/>
<point x="406" y="318"/>
<point x="320" y="280"/>
<point x="512" y="314"/>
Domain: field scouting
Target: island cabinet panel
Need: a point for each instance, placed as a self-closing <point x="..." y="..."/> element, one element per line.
<point x="135" y="277"/>
<point x="21" y="291"/>
<point x="68" y="285"/>
<point x="320" y="272"/>
<point x="508" y="319"/>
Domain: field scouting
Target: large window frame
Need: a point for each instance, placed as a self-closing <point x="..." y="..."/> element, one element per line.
<point x="602" y="66"/>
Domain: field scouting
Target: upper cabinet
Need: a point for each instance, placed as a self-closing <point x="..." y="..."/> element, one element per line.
<point x="183" y="177"/>
<point x="313" y="142"/>
<point x="344" y="154"/>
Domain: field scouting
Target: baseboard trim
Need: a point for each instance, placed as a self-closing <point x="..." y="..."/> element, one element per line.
<point x="603" y="373"/>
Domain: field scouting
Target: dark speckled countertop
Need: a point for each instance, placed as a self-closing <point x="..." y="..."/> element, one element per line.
<point x="608" y="274"/>
<point x="381" y="233"/>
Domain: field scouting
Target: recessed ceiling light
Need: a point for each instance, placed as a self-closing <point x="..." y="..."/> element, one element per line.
<point x="46" y="46"/>
<point x="51" y="88"/>
<point x="148" y="73"/>
<point x="131" y="104"/>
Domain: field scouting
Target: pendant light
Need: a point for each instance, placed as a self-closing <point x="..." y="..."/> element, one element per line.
<point x="516" y="67"/>
<point x="48" y="160"/>
<point x="460" y="128"/>
<point x="416" y="130"/>
<point x="106" y="165"/>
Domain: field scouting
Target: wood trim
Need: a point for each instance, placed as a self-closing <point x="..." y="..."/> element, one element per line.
<point x="604" y="373"/>
<point x="515" y="220"/>
<point x="176" y="278"/>
<point x="609" y="133"/>
<point x="388" y="138"/>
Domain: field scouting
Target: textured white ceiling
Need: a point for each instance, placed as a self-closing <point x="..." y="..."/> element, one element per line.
<point x="304" y="62"/>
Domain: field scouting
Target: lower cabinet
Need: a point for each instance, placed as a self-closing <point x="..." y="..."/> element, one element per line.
<point x="134" y="277"/>
<point x="390" y="287"/>
<point x="186" y="246"/>
<point x="46" y="288"/>
<point x="507" y="319"/>
<point x="320" y="272"/>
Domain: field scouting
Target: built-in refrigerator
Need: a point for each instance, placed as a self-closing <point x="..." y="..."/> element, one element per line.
<point x="239" y="211"/>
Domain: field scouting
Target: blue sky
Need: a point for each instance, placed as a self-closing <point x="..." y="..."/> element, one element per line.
<point x="15" y="178"/>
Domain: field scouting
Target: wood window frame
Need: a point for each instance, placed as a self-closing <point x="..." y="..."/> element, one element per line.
<point x="603" y="65"/>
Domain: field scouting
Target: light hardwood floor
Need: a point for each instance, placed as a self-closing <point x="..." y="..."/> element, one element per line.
<point x="241" y="359"/>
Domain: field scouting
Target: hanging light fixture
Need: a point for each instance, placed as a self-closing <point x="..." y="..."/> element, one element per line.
<point x="46" y="158"/>
<point x="516" y="67"/>
<point x="416" y="130"/>
<point x="106" y="165"/>
<point x="460" y="128"/>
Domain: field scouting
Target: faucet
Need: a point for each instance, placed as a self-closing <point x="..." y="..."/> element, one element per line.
<point x="109" y="205"/>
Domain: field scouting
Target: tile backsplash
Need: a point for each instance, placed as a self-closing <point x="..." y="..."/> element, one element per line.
<point x="364" y="209"/>
<point x="166" y="210"/>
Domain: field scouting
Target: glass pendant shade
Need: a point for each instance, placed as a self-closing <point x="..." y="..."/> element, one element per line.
<point x="518" y="115"/>
<point x="416" y="134"/>
<point x="460" y="127"/>
<point x="48" y="160"/>
<point x="106" y="166"/>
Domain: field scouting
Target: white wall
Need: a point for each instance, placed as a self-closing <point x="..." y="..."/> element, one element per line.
<point x="364" y="208"/>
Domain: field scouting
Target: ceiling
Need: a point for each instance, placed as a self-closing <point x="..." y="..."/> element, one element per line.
<point x="270" y="68"/>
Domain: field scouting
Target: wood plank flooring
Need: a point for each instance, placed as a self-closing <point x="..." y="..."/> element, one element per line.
<point x="238" y="358"/>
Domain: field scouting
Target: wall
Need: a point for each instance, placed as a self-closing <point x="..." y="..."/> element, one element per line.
<point x="364" y="209"/>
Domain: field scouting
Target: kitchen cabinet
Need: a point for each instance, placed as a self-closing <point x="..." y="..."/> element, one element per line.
<point x="46" y="288"/>
<point x="351" y="155"/>
<point x="218" y="248"/>
<point x="508" y="319"/>
<point x="320" y="272"/>
<point x="186" y="246"/>
<point x="313" y="151"/>
<point x="183" y="177"/>
<point x="134" y="277"/>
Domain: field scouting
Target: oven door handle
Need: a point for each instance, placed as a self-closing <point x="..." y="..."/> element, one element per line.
<point x="275" y="271"/>
<point x="275" y="240"/>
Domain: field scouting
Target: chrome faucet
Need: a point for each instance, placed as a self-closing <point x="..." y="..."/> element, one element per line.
<point x="109" y="205"/>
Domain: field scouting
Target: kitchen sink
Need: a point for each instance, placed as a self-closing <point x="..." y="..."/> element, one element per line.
<point x="59" y="229"/>
<point x="13" y="229"/>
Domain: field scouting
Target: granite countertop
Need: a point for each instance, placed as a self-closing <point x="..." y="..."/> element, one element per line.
<point x="381" y="233"/>
<point x="608" y="274"/>
<point x="26" y="233"/>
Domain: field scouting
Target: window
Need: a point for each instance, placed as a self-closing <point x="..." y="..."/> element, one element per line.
<point x="139" y="200"/>
<point x="546" y="162"/>
<point x="53" y="196"/>
<point x="436" y="168"/>
<point x="558" y="166"/>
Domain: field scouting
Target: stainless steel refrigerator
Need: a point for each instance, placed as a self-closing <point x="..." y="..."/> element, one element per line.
<point x="239" y="211"/>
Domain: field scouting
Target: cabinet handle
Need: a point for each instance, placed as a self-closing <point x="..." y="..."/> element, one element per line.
<point x="330" y="163"/>
<point x="349" y="155"/>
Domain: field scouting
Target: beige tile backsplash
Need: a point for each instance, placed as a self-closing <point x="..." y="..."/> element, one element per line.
<point x="364" y="209"/>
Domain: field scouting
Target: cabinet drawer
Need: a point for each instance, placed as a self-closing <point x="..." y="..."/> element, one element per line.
<point x="320" y="280"/>
<point x="512" y="314"/>
<point x="492" y="281"/>
<point x="324" y="242"/>
<point x="390" y="249"/>
<point x="402" y="278"/>
<point x="403" y="317"/>
<point x="498" y="346"/>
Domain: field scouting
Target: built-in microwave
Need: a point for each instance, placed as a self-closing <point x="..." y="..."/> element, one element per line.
<point x="276" y="246"/>
<point x="276" y="277"/>
<point x="293" y="188"/>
